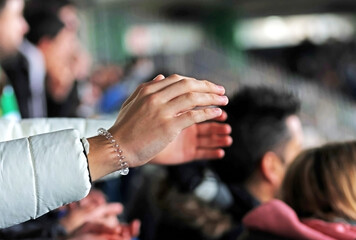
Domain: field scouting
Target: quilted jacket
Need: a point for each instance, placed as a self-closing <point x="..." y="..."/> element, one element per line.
<point x="42" y="165"/>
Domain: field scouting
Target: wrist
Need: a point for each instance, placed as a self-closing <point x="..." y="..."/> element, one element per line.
<point x="105" y="156"/>
<point x="122" y="164"/>
<point x="101" y="158"/>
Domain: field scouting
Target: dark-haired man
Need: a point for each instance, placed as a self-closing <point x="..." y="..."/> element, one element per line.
<point x="42" y="74"/>
<point x="269" y="135"/>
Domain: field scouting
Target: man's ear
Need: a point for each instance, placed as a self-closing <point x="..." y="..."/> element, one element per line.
<point x="271" y="167"/>
<point x="44" y="42"/>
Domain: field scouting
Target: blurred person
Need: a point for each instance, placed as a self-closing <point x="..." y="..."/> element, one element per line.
<point x="106" y="76"/>
<point x="268" y="131"/>
<point x="94" y="209"/>
<point x="11" y="19"/>
<point x="103" y="82"/>
<point x="70" y="219"/>
<point x="9" y="41"/>
<point x="270" y="135"/>
<point x="58" y="46"/>
<point x="118" y="85"/>
<point x="32" y="166"/>
<point x="81" y="61"/>
<point x="318" y="198"/>
<point x="45" y="87"/>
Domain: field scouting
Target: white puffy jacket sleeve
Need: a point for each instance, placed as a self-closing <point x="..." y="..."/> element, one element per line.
<point x="10" y="129"/>
<point x="42" y="172"/>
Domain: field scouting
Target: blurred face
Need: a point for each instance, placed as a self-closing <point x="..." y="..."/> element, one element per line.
<point x="59" y="53"/>
<point x="12" y="27"/>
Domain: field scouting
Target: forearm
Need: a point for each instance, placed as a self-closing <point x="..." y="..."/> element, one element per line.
<point x="101" y="158"/>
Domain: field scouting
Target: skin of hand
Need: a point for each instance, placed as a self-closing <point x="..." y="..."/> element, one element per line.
<point x="91" y="231"/>
<point x="201" y="141"/>
<point x="105" y="214"/>
<point x="92" y="236"/>
<point x="100" y="231"/>
<point x="152" y="117"/>
<point x="94" y="198"/>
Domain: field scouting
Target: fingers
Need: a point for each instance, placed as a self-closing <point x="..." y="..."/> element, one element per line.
<point x="156" y="81"/>
<point x="187" y="86"/>
<point x="108" y="209"/>
<point x="135" y="228"/>
<point x="97" y="228"/>
<point x="101" y="237"/>
<point x="173" y="86"/>
<point x="222" y="118"/>
<point x="209" y="128"/>
<point x="155" y="86"/>
<point x="213" y="135"/>
<point x="95" y="197"/>
<point x="197" y="116"/>
<point x="206" y="154"/>
<point x="192" y="100"/>
<point x="113" y="209"/>
<point x="214" y="141"/>
<point x="158" y="78"/>
<point x="101" y="228"/>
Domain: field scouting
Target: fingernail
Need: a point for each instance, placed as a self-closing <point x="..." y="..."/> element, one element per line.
<point x="217" y="111"/>
<point x="221" y="87"/>
<point x="158" y="76"/>
<point x="228" y="129"/>
<point x="224" y="99"/>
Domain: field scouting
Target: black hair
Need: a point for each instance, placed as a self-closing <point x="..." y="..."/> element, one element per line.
<point x="35" y="7"/>
<point x="257" y="116"/>
<point x="2" y="4"/>
<point x="43" y="25"/>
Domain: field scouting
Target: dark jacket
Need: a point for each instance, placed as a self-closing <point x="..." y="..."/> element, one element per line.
<point x="42" y="228"/>
<point x="16" y="69"/>
<point x="242" y="204"/>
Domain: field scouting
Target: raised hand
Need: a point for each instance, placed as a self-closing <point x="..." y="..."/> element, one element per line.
<point x="97" y="231"/>
<point x="201" y="141"/>
<point x="91" y="231"/>
<point x="154" y="115"/>
<point x="105" y="214"/>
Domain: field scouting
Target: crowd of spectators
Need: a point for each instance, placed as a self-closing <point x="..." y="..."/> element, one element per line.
<point x="266" y="186"/>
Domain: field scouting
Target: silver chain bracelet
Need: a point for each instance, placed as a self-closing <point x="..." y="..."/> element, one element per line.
<point x="124" y="166"/>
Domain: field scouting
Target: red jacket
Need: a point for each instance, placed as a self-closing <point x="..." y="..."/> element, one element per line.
<point x="278" y="218"/>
